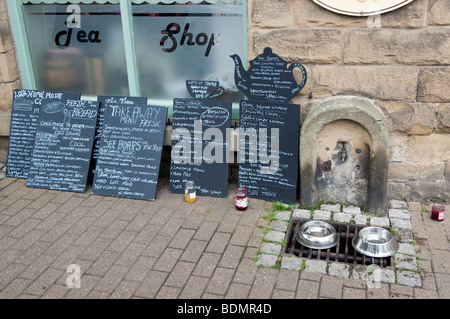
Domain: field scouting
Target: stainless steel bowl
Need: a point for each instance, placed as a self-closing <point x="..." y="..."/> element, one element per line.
<point x="375" y="242"/>
<point x="317" y="234"/>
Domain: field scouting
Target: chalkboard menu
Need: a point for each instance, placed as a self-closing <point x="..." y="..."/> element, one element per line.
<point x="124" y="100"/>
<point x="268" y="78"/>
<point x="130" y="151"/>
<point x="204" y="89"/>
<point x="63" y="145"/>
<point x="24" y="118"/>
<point x="269" y="161"/>
<point x="199" y="149"/>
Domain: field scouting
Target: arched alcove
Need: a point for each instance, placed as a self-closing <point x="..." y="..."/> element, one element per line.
<point x="349" y="127"/>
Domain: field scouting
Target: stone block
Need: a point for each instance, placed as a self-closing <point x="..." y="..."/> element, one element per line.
<point x="301" y="213"/>
<point x="429" y="148"/>
<point x="301" y="45"/>
<point x="380" y="221"/>
<point x="412" y="118"/>
<point x="387" y="276"/>
<point x="352" y="210"/>
<point x="410" y="16"/>
<point x="276" y="236"/>
<point x="6" y="41"/>
<point x="422" y="46"/>
<point x="342" y="217"/>
<point x="423" y="171"/>
<point x="399" y="213"/>
<point x="437" y="12"/>
<point x="406" y="262"/>
<point x="447" y="172"/>
<point x="292" y="263"/>
<point x="396" y="189"/>
<point x="339" y="270"/>
<point x="307" y="14"/>
<point x="5" y="122"/>
<point x="433" y="83"/>
<point x="429" y="190"/>
<point x="401" y="223"/>
<point x="266" y="260"/>
<point x="398" y="204"/>
<point x="269" y="248"/>
<point x="360" y="219"/>
<point x="318" y="266"/>
<point x="366" y="80"/>
<point x="443" y="118"/>
<point x="286" y="215"/>
<point x="278" y="225"/>
<point x="409" y="278"/>
<point x="6" y="94"/>
<point x="271" y="14"/>
<point x="321" y="215"/>
<point x="8" y="67"/>
<point x="398" y="144"/>
<point x="3" y="11"/>
<point x="407" y="249"/>
<point x="331" y="207"/>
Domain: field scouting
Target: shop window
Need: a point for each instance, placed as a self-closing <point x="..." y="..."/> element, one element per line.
<point x="150" y="50"/>
<point x="89" y="59"/>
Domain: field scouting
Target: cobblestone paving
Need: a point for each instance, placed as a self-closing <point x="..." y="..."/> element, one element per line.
<point x="172" y="249"/>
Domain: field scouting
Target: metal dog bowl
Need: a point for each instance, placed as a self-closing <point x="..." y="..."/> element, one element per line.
<point x="317" y="234"/>
<point x="375" y="242"/>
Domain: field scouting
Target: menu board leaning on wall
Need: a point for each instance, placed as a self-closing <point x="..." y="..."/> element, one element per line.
<point x="268" y="150"/>
<point x="130" y="151"/>
<point x="199" y="149"/>
<point x="24" y="118"/>
<point x="125" y="100"/>
<point x="63" y="145"/>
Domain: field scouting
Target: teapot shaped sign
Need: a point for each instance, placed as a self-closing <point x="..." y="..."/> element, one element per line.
<point x="268" y="78"/>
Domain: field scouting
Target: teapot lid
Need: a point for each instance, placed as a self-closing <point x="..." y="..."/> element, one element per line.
<point x="267" y="55"/>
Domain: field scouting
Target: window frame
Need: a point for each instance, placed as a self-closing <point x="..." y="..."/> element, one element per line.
<point x="16" y="18"/>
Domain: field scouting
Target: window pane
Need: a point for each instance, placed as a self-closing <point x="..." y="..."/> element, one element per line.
<point x="186" y="41"/>
<point x="89" y="59"/>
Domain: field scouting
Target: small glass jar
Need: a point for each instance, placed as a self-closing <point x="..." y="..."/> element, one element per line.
<point x="241" y="199"/>
<point x="190" y="194"/>
<point x="437" y="212"/>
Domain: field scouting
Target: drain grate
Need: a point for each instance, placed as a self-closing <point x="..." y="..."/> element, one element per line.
<point x="342" y="252"/>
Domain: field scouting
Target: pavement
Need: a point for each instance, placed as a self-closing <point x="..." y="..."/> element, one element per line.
<point x="65" y="245"/>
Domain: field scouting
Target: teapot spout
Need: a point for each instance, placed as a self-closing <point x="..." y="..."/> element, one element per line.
<point x="239" y="73"/>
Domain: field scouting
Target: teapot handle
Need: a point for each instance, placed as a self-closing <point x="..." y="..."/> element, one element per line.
<point x="304" y="76"/>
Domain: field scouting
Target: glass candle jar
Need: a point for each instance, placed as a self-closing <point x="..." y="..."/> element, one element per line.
<point x="241" y="199"/>
<point x="437" y="212"/>
<point x="190" y="194"/>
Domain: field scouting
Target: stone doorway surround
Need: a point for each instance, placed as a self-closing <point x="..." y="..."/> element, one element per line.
<point x="363" y="112"/>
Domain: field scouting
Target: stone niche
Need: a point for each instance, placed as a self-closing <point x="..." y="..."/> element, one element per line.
<point x="344" y="153"/>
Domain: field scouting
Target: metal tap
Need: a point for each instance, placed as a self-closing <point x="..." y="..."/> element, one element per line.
<point x="343" y="152"/>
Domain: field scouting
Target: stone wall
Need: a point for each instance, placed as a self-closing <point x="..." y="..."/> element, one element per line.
<point x="399" y="60"/>
<point x="9" y="78"/>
